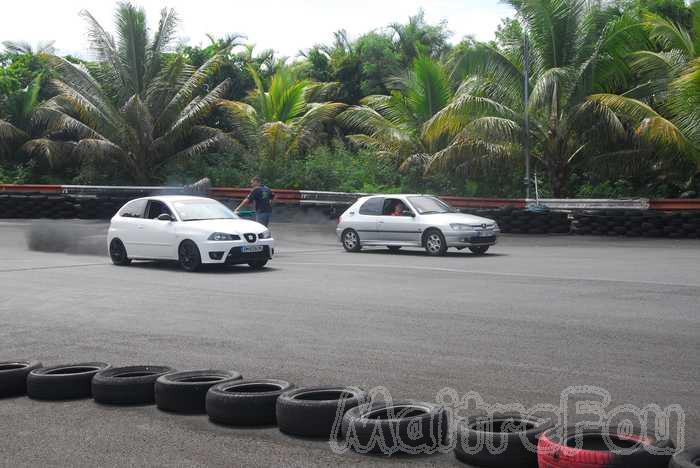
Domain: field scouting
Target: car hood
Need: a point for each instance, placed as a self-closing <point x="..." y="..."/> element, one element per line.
<point x="448" y="218"/>
<point x="227" y="226"/>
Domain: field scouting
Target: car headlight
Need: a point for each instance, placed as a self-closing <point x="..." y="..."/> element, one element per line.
<point x="220" y="236"/>
<point x="266" y="234"/>
<point x="462" y="227"/>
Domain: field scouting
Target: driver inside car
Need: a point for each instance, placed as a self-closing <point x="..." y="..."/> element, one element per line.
<point x="399" y="209"/>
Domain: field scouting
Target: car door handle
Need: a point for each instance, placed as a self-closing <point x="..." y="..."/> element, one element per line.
<point x="139" y="226"/>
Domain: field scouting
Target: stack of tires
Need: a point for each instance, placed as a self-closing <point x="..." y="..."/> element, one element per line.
<point x="107" y="206"/>
<point x="7" y="206"/>
<point x="635" y="223"/>
<point x="518" y="221"/>
<point x="37" y="205"/>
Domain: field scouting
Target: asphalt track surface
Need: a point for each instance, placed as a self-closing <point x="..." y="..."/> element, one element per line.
<point x="521" y="324"/>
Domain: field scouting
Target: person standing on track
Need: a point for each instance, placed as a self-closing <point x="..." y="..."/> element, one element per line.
<point x="262" y="196"/>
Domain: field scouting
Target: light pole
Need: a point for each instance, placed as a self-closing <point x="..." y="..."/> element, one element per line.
<point x="526" y="142"/>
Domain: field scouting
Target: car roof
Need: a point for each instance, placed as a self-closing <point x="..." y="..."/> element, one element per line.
<point x="396" y="195"/>
<point x="173" y="198"/>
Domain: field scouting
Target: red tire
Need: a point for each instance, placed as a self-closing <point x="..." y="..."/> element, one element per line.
<point x="556" y="448"/>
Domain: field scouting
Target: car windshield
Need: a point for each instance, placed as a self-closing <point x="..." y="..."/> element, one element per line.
<point x="198" y="210"/>
<point x="429" y="205"/>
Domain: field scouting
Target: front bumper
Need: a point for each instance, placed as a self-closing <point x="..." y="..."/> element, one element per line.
<point x="471" y="238"/>
<point x="231" y="253"/>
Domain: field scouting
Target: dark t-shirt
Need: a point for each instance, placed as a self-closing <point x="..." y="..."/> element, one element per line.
<point x="262" y="196"/>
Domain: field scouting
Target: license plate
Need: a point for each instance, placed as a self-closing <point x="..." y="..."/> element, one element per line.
<point x="485" y="233"/>
<point x="251" y="248"/>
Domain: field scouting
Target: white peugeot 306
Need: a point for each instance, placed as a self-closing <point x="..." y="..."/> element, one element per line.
<point x="191" y="230"/>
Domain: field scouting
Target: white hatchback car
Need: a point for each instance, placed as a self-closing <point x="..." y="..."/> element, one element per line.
<point x="191" y="230"/>
<point x="397" y="221"/>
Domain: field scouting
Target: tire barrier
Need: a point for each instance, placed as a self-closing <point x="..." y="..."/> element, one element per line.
<point x="632" y="223"/>
<point x="402" y="427"/>
<point x="518" y="221"/>
<point x="101" y="203"/>
<point x="186" y="391"/>
<point x="312" y="411"/>
<point x="556" y="448"/>
<point x="246" y="402"/>
<point x="517" y="435"/>
<point x="65" y="382"/>
<point x="13" y="377"/>
<point x="688" y="458"/>
<point x="133" y="385"/>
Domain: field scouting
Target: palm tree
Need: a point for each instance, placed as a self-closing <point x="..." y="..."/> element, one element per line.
<point x="17" y="129"/>
<point x="24" y="47"/>
<point x="135" y="106"/>
<point x="664" y="107"/>
<point x="393" y="125"/>
<point x="283" y="119"/>
<point x="417" y="38"/>
<point x="576" y="49"/>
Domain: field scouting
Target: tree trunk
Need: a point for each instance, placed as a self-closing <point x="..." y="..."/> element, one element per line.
<point x="559" y="178"/>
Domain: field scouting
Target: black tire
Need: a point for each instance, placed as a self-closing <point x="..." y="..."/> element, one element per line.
<point x="393" y="248"/>
<point x="246" y="402"/>
<point x="351" y="240"/>
<point x="188" y="255"/>
<point x="257" y="264"/>
<point x="131" y="385"/>
<point x="314" y="411"/>
<point x="479" y="249"/>
<point x="186" y="391"/>
<point x="401" y="427"/>
<point x="13" y="377"/>
<point x="64" y="382"/>
<point x="117" y="252"/>
<point x="517" y="433"/>
<point x="688" y="458"/>
<point x="434" y="243"/>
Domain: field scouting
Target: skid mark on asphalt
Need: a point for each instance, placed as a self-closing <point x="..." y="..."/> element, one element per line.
<point x="52" y="267"/>
<point x="492" y="273"/>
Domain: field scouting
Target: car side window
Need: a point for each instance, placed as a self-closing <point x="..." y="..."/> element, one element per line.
<point x="133" y="209"/>
<point x="372" y="207"/>
<point x="157" y="208"/>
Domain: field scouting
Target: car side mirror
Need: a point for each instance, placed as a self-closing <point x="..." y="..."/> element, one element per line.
<point x="164" y="217"/>
<point x="408" y="213"/>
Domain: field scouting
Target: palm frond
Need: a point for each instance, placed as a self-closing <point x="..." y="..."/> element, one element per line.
<point x="102" y="43"/>
<point x="669" y="35"/>
<point x="57" y="153"/>
<point x="188" y="90"/>
<point x="164" y="35"/>
<point x="650" y="125"/>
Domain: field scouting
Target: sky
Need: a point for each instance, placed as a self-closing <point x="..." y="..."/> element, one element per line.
<point x="285" y="26"/>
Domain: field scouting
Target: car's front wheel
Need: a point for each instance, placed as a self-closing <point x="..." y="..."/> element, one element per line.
<point x="257" y="264"/>
<point x="479" y="249"/>
<point x="117" y="252"/>
<point x="188" y="255"/>
<point x="435" y="243"/>
<point x="351" y="241"/>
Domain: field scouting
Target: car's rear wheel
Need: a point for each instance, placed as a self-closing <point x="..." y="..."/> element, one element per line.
<point x="435" y="243"/>
<point x="479" y="249"/>
<point x="188" y="255"/>
<point x="351" y="240"/>
<point x="117" y="252"/>
<point x="393" y="248"/>
<point x="257" y="264"/>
